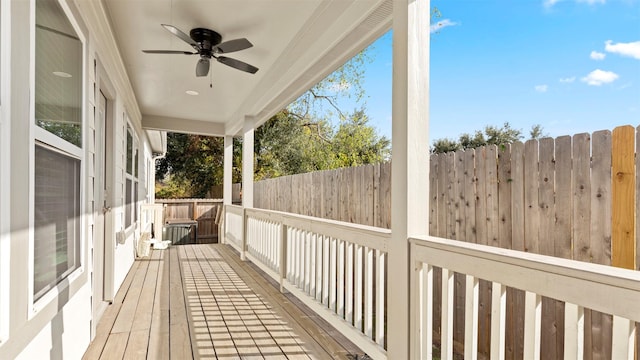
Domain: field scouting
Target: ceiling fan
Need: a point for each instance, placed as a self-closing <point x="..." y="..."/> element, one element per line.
<point x="207" y="44"/>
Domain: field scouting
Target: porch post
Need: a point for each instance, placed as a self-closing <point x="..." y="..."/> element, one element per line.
<point x="410" y="155"/>
<point x="227" y="184"/>
<point x="247" y="176"/>
<point x="247" y="161"/>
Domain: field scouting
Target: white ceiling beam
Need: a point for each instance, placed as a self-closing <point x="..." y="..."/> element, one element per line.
<point x="186" y="126"/>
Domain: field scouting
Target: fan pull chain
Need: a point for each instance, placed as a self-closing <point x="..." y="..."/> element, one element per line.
<point x="211" y="79"/>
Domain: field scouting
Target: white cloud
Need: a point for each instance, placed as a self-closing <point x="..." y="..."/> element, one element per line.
<point x="598" y="77"/>
<point x="441" y="25"/>
<point x="631" y="49"/>
<point x="541" y="88"/>
<point x="550" y="3"/>
<point x="597" y="55"/>
<point x="568" y="80"/>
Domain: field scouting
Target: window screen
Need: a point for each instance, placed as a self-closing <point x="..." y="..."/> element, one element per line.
<point x="56" y="218"/>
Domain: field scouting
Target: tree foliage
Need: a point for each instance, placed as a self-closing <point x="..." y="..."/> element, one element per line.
<point x="490" y="135"/>
<point x="313" y="133"/>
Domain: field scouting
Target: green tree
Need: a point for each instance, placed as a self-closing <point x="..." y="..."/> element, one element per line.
<point x="490" y="135"/>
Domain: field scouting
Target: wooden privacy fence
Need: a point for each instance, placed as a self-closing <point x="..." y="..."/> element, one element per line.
<point x="573" y="197"/>
<point x="360" y="195"/>
<point x="217" y="192"/>
<point x="206" y="212"/>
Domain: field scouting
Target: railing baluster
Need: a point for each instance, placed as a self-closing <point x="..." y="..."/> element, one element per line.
<point x="471" y="318"/>
<point x="320" y="268"/>
<point x="357" y="306"/>
<point x="422" y="336"/>
<point x="326" y="243"/>
<point x="341" y="273"/>
<point x="447" y="315"/>
<point x="349" y="289"/>
<point x="368" y="293"/>
<point x="332" y="274"/>
<point x="427" y="317"/>
<point x="312" y="264"/>
<point x="301" y="258"/>
<point x="498" y="317"/>
<point x="295" y="241"/>
<point x="380" y="304"/>
<point x="624" y="334"/>
<point x="290" y="248"/>
<point x="307" y="261"/>
<point x="532" y="322"/>
<point x="283" y="255"/>
<point x="573" y="331"/>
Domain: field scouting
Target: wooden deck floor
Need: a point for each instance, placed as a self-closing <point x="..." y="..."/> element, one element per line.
<point x="202" y="302"/>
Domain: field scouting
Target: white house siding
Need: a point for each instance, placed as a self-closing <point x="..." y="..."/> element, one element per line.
<point x="59" y="324"/>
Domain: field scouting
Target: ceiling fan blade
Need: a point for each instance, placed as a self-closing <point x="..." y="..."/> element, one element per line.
<point x="233" y="45"/>
<point x="202" y="68"/>
<point x="168" y="52"/>
<point x="237" y="64"/>
<point x="184" y="37"/>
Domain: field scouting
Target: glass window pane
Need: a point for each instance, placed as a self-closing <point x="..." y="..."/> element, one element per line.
<point x="135" y="201"/>
<point x="56" y="218"/>
<point x="129" y="151"/>
<point x="127" y="206"/>
<point x="58" y="95"/>
<point x="135" y="162"/>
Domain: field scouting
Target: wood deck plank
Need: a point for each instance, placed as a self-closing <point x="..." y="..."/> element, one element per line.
<point x="108" y="318"/>
<point x="159" y="333"/>
<point x="124" y="321"/>
<point x="201" y="301"/>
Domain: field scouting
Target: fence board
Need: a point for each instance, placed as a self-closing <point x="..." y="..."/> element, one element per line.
<point x="470" y="195"/>
<point x="601" y="325"/>
<point x="531" y="185"/>
<point x="623" y="186"/>
<point x="493" y="213"/>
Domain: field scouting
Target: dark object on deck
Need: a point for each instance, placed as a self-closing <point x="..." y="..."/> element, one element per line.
<point x="181" y="232"/>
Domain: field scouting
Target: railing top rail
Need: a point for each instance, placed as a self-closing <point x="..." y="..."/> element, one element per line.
<point x="616" y="291"/>
<point x="234" y="209"/>
<point x="369" y="236"/>
<point x="190" y="200"/>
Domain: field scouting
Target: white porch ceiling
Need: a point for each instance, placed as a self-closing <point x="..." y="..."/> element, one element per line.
<point x="296" y="43"/>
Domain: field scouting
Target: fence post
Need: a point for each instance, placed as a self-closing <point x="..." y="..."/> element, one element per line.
<point x="623" y="249"/>
<point x="283" y="256"/>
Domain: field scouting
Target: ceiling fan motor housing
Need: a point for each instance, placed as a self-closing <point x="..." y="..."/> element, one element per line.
<point x="206" y="38"/>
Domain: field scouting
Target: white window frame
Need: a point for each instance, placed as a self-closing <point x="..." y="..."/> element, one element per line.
<point x="5" y="213"/>
<point x="49" y="140"/>
<point x="135" y="179"/>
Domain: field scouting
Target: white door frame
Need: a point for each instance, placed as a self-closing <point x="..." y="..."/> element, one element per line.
<point x="109" y="181"/>
<point x="104" y="241"/>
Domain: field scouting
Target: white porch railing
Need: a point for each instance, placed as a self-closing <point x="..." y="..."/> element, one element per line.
<point x="233" y="226"/>
<point x="580" y="285"/>
<point x="337" y="269"/>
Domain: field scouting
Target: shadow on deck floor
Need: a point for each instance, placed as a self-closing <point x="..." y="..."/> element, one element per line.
<point x="202" y="302"/>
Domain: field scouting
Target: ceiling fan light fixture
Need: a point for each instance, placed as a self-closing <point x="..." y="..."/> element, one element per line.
<point x="208" y="44"/>
<point x="192" y="92"/>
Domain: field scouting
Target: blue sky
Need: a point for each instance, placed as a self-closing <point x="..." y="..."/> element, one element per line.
<point x="570" y="65"/>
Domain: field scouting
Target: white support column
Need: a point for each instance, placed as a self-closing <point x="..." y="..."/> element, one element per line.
<point x="227" y="187"/>
<point x="247" y="161"/>
<point x="410" y="171"/>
